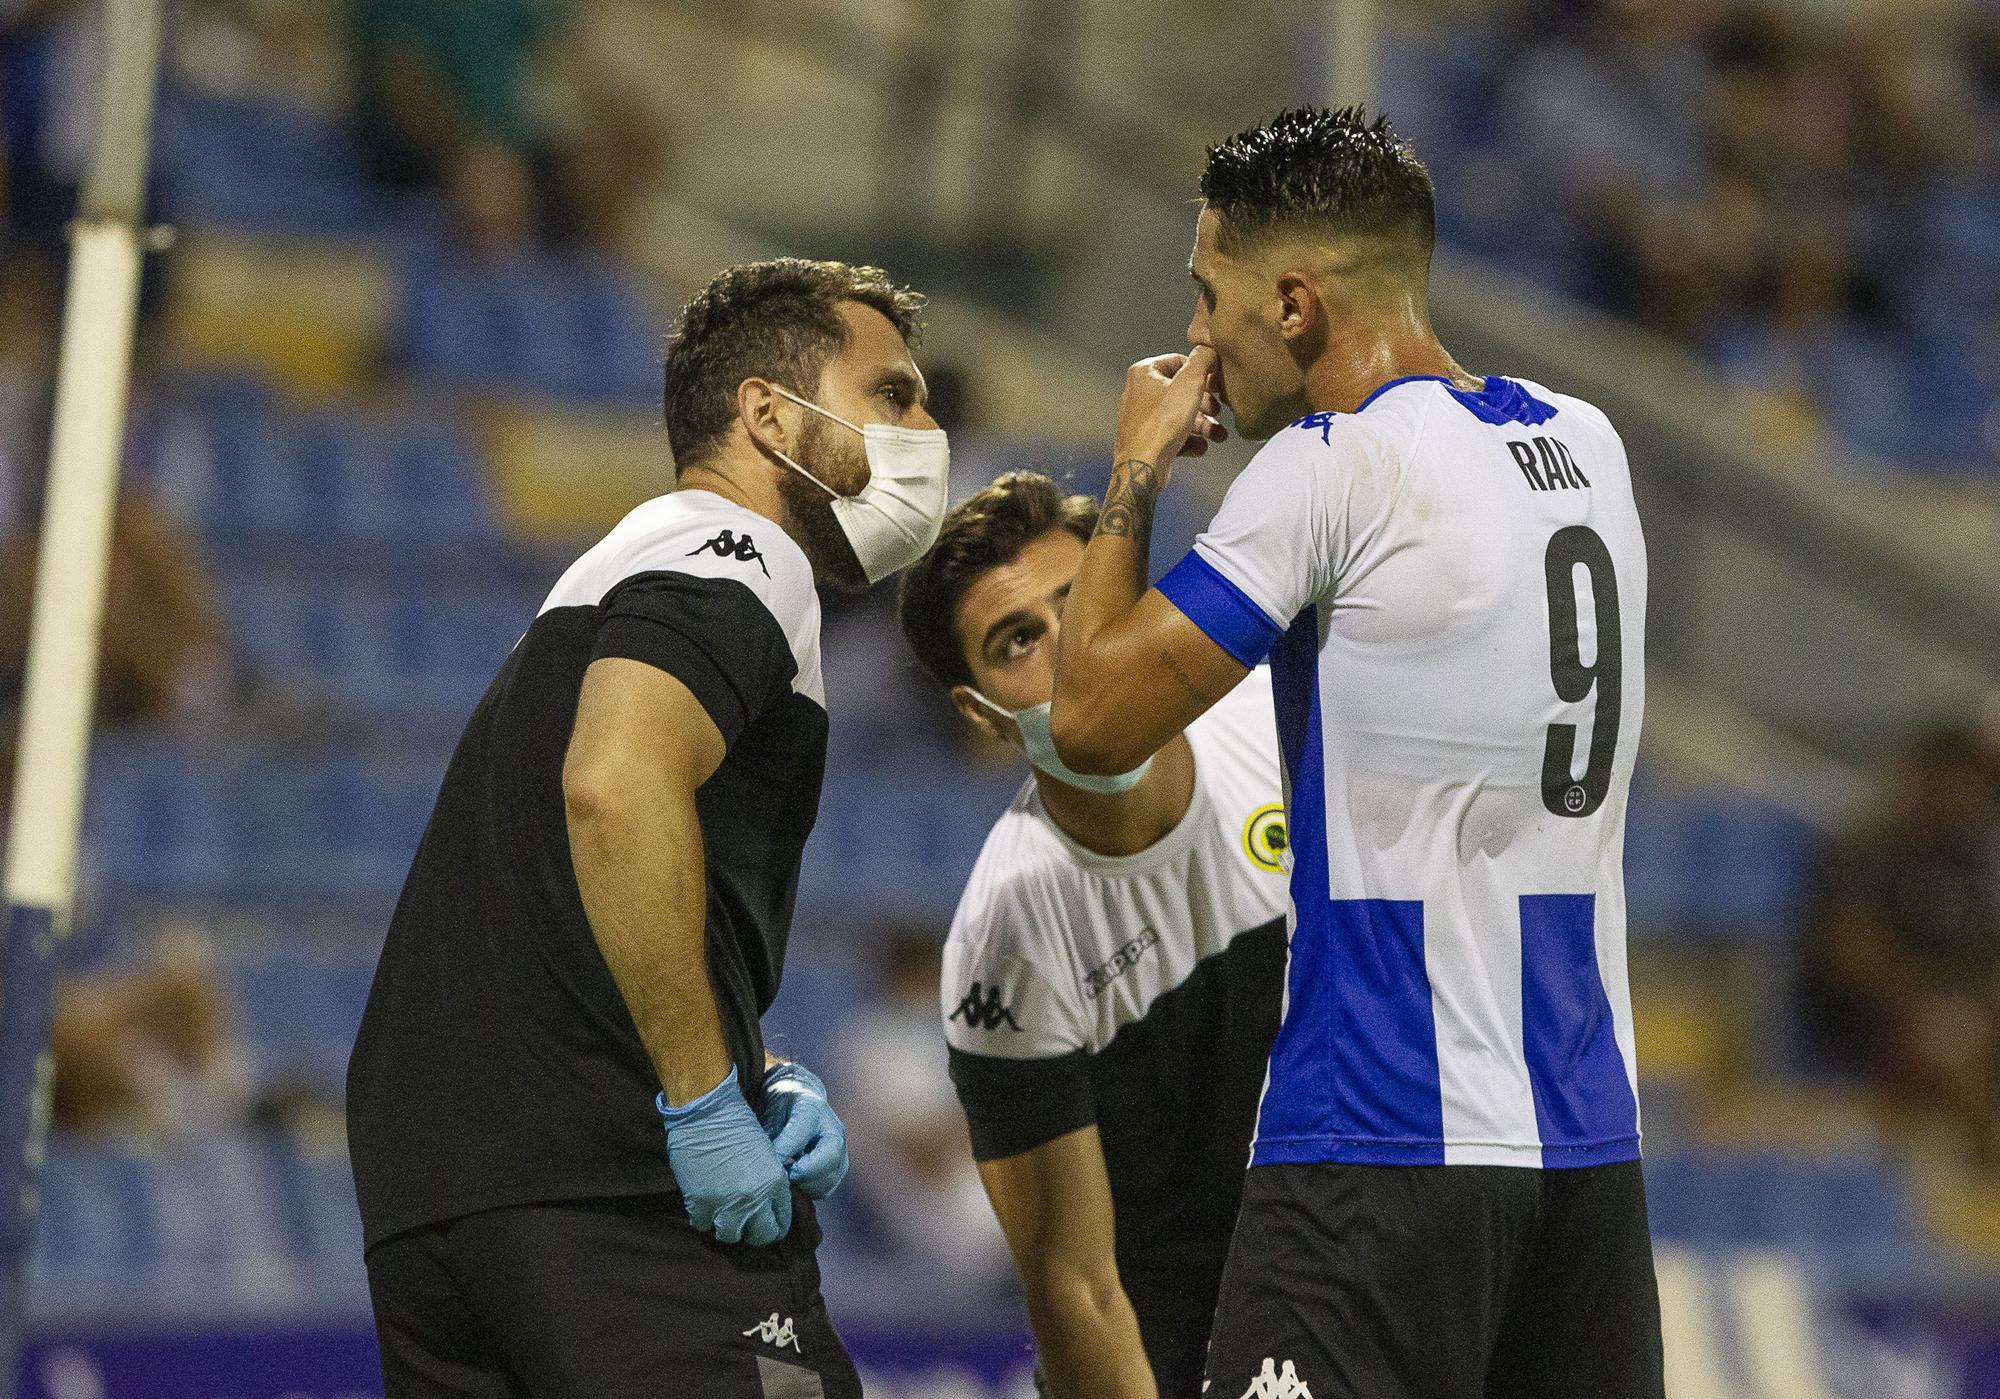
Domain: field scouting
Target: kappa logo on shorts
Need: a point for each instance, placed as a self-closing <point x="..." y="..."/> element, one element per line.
<point x="773" y="1332"/>
<point x="1273" y="1383"/>
<point x="726" y="545"/>
<point x="985" y="1012"/>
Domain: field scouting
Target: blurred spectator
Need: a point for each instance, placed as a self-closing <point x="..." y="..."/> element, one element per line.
<point x="163" y="656"/>
<point x="1807" y="195"/>
<point x="1902" y="955"/>
<point x="48" y="84"/>
<point x="951" y="398"/>
<point x="1804" y="346"/>
<point x="51" y="66"/>
<point x="913" y="1179"/>
<point x="490" y="193"/>
<point x="148" y="1053"/>
<point x="289" y="51"/>
<point x="458" y="95"/>
<point x="1615" y="98"/>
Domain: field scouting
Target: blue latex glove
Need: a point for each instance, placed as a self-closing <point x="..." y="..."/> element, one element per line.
<point x="804" y="1131"/>
<point x="732" y="1180"/>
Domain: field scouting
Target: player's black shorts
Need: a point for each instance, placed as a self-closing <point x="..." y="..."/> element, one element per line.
<point x="603" y="1299"/>
<point x="1439" y="1282"/>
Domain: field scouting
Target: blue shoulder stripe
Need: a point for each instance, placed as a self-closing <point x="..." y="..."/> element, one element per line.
<point x="1220" y="608"/>
<point x="1499" y="401"/>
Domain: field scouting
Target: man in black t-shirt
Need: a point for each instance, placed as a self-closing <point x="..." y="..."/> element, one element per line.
<point x="597" y="915"/>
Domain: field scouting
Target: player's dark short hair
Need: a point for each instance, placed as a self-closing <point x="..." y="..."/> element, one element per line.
<point x="777" y="320"/>
<point x="1320" y="170"/>
<point x="982" y="532"/>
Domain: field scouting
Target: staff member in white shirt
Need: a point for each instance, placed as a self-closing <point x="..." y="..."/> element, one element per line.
<point x="1112" y="978"/>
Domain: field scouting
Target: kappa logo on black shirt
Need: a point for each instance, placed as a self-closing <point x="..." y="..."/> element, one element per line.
<point x="728" y="545"/>
<point x="985" y="1012"/>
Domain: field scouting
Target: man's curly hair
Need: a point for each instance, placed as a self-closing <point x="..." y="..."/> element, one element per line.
<point x="982" y="532"/>
<point x="777" y="320"/>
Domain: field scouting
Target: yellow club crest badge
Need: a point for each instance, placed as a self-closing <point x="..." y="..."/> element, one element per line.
<point x="1264" y="837"/>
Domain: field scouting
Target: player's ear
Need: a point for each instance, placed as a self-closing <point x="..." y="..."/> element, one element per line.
<point x="1300" y="312"/>
<point x="976" y="714"/>
<point x="757" y="405"/>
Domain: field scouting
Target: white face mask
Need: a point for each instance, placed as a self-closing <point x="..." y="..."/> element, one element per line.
<point x="1033" y="722"/>
<point x="896" y="517"/>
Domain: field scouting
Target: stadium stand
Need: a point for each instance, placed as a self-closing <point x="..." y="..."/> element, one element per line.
<point x="378" y="437"/>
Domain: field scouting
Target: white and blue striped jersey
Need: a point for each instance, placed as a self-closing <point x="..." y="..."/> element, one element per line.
<point x="1451" y="587"/>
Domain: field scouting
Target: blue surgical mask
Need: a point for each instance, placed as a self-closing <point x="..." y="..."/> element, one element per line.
<point x="1033" y="722"/>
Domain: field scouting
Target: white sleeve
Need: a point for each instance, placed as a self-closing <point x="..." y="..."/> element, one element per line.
<point x="760" y="556"/>
<point x="1007" y="989"/>
<point x="664" y="537"/>
<point x="1273" y="548"/>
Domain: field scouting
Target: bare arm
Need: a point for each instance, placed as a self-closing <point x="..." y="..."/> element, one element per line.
<point x="1054" y="1203"/>
<point x="1131" y="670"/>
<point x="641" y="746"/>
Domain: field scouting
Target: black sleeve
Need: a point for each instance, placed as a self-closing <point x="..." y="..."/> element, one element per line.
<point x="714" y="635"/>
<point x="1015" y="1105"/>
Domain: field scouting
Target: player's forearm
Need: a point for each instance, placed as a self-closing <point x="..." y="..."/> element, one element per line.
<point x="1087" y="1336"/>
<point x="637" y="850"/>
<point x="1092" y="674"/>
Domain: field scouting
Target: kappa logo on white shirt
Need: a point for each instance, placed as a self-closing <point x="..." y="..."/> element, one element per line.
<point x="1273" y="1383"/>
<point x="778" y="1333"/>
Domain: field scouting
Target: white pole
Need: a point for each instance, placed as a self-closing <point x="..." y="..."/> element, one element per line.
<point x="91" y="378"/>
<point x="1351" y="35"/>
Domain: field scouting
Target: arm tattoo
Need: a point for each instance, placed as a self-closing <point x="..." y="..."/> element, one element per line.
<point x="1179" y="673"/>
<point x="1128" y="504"/>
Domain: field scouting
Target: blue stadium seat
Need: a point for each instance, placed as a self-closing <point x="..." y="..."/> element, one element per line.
<point x="898" y="842"/>
<point x="1755" y="860"/>
<point x="279" y="138"/>
<point x="165" y="824"/>
<point x="1851" y="1211"/>
<point x="381" y="645"/>
<point x="196" y="1224"/>
<point x="817" y="997"/>
<point x="1662" y="879"/>
<point x="209" y="1211"/>
<point x="230" y="1220"/>
<point x="298" y="1012"/>
<point x="265" y="167"/>
<point x="561" y="326"/>
<point x="155" y="820"/>
<point x="235" y="467"/>
<point x="90" y="1234"/>
<point x="324" y="1225"/>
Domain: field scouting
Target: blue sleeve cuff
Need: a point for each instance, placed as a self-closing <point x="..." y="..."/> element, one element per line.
<point x="1220" y="608"/>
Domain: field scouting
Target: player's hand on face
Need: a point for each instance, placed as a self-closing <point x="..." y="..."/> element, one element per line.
<point x="1169" y="409"/>
<point x="804" y="1130"/>
<point x="730" y="1177"/>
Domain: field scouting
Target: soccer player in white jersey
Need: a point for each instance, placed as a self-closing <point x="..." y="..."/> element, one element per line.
<point x="1112" y="978"/>
<point x="1447" y="574"/>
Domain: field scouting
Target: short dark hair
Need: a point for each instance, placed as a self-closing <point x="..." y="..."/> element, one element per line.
<point x="777" y="320"/>
<point x="983" y="531"/>
<point x="1320" y="170"/>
